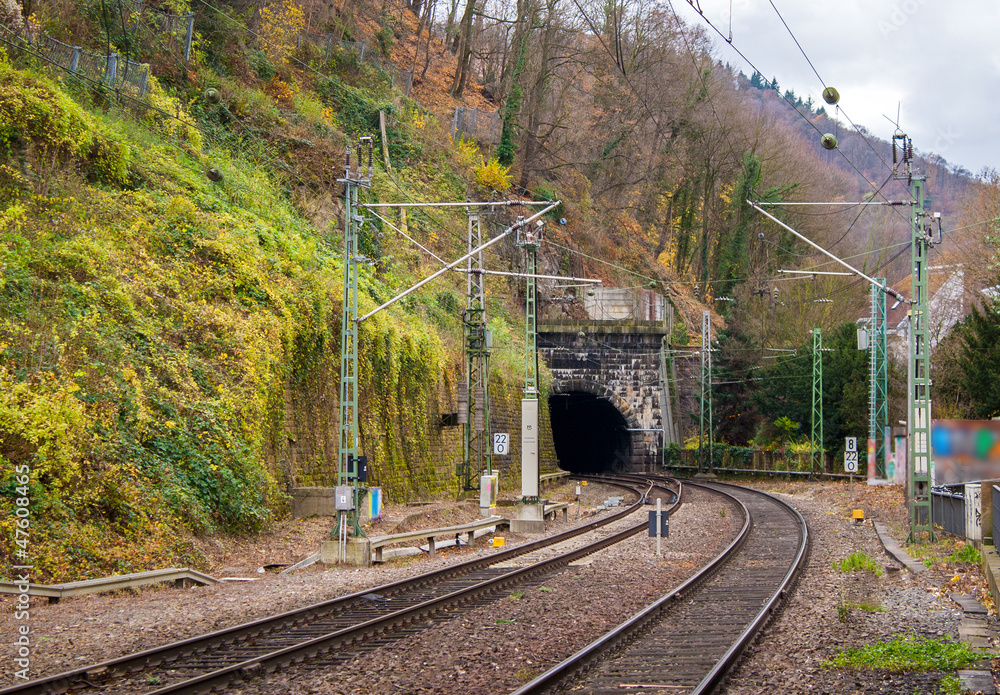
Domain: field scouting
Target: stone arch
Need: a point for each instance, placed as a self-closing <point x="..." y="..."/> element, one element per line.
<point x="601" y="391"/>
<point x="610" y="432"/>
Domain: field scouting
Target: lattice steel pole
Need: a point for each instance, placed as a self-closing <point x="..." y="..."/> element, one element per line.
<point x="347" y="472"/>
<point x="919" y="365"/>
<point x="531" y="243"/>
<point x="705" y="467"/>
<point x="878" y="399"/>
<point x="476" y="455"/>
<point x="816" y="442"/>
<point x="530" y="239"/>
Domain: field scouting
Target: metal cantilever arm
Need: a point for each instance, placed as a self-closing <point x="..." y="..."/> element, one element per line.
<point x="873" y="281"/>
<point x="461" y="260"/>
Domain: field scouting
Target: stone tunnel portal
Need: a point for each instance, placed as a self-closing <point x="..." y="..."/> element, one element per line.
<point x="590" y="435"/>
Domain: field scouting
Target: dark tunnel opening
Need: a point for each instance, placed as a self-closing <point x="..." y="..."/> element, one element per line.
<point x="589" y="434"/>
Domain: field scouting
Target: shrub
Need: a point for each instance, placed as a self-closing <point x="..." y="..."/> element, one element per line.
<point x="493" y="176"/>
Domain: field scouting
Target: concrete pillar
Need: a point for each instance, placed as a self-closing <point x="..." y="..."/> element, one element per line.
<point x="359" y="552"/>
<point x="530" y="518"/>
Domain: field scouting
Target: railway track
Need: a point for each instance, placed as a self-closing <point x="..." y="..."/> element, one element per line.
<point x="325" y="633"/>
<point x="687" y="641"/>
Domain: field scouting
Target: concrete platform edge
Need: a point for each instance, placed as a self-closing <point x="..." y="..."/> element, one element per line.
<point x="974" y="622"/>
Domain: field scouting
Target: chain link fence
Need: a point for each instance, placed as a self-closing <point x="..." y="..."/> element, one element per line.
<point x="111" y="70"/>
<point x="325" y="43"/>
<point x="176" y="27"/>
<point x="481" y="126"/>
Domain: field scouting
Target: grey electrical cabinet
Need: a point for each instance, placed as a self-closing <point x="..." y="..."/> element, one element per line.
<point x="343" y="498"/>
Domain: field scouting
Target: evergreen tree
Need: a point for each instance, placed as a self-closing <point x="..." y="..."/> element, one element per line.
<point x="980" y="361"/>
<point x="732" y="259"/>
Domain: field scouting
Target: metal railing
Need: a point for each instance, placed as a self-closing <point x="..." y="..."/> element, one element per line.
<point x="995" y="498"/>
<point x="54" y="592"/>
<point x="948" y="509"/>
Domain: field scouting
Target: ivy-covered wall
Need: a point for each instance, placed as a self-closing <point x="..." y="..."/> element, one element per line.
<point x="410" y="454"/>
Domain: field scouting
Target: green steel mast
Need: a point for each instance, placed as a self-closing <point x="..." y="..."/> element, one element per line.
<point x="816" y="443"/>
<point x="878" y="412"/>
<point x="347" y="463"/>
<point x="705" y="466"/>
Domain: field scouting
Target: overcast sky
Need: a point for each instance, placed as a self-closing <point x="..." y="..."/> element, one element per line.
<point x="938" y="61"/>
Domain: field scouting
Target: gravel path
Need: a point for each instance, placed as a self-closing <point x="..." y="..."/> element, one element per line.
<point x="823" y="615"/>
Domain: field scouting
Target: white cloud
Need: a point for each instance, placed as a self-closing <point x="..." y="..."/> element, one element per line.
<point x="941" y="60"/>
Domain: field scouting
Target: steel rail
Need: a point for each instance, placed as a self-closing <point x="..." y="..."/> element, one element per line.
<point x="624" y="634"/>
<point x="733" y="654"/>
<point x="169" y="653"/>
<point x="282" y="658"/>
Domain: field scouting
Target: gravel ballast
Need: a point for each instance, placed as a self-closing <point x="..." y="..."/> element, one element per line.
<point x="499" y="645"/>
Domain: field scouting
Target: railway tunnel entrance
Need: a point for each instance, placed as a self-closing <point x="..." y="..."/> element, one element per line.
<point x="589" y="433"/>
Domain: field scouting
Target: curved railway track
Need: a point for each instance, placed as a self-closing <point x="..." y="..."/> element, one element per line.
<point x="687" y="641"/>
<point x="324" y="632"/>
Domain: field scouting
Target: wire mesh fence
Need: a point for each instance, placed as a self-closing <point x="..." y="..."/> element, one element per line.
<point x="112" y="70"/>
<point x="175" y="29"/>
<point x="326" y="43"/>
<point x="482" y="126"/>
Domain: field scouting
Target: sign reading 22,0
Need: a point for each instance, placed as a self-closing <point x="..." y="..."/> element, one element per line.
<point x="501" y="443"/>
<point x="851" y="455"/>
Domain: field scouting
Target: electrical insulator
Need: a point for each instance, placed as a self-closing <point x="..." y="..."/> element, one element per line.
<point x="831" y="95"/>
<point x="214" y="174"/>
<point x="463" y="402"/>
<point x="829" y="141"/>
<point x="212" y="96"/>
<point x="479" y="416"/>
<point x="775" y="294"/>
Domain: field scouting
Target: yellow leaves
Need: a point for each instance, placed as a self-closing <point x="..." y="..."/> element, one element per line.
<point x="494" y="176"/>
<point x="280" y="22"/>
<point x="468" y="151"/>
<point x="49" y="419"/>
<point x="726" y="194"/>
<point x="14" y="218"/>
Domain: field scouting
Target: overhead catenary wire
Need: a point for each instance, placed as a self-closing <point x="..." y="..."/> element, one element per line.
<point x="625" y="75"/>
<point x="819" y="248"/>
<point x="823" y="82"/>
<point x="787" y="101"/>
